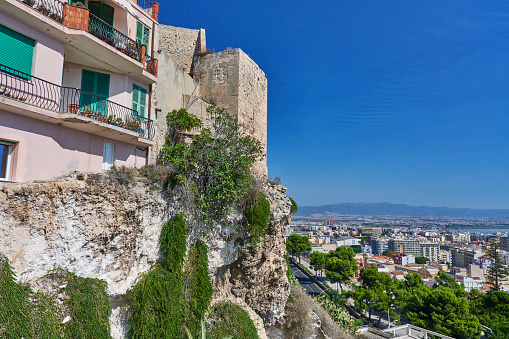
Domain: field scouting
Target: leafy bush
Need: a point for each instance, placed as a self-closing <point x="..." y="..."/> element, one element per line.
<point x="230" y="320"/>
<point x="294" y="208"/>
<point x="215" y="168"/>
<point x="258" y="217"/>
<point x="338" y="313"/>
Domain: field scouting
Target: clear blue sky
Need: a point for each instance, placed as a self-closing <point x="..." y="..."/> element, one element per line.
<point x="371" y="101"/>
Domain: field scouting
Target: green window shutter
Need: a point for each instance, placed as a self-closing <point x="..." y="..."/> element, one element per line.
<point x="136" y="98"/>
<point x="139" y="100"/>
<point x="139" y="32"/>
<point x="142" y="35"/>
<point x="143" y="101"/>
<point x="23" y="46"/>
<point x="95" y="8"/>
<point x="107" y="14"/>
<point x="98" y="85"/>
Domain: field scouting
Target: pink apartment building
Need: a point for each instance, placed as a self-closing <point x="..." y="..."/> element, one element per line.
<point x="75" y="83"/>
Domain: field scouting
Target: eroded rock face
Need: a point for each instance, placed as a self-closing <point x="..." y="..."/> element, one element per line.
<point x="100" y="227"/>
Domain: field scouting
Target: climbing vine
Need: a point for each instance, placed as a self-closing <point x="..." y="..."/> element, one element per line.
<point x="294" y="207"/>
<point x="258" y="217"/>
<point x="230" y="321"/>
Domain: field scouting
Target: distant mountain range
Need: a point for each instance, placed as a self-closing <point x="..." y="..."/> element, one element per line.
<point x="388" y="209"/>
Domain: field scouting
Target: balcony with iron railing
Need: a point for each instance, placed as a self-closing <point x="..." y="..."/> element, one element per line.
<point x="75" y="104"/>
<point x="79" y="17"/>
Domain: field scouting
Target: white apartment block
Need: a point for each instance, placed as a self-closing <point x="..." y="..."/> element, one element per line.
<point x="430" y="251"/>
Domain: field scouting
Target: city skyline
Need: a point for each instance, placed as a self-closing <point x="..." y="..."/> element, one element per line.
<point x="377" y="101"/>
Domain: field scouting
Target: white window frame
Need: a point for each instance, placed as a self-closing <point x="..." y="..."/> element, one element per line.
<point x="107" y="166"/>
<point x="8" y="162"/>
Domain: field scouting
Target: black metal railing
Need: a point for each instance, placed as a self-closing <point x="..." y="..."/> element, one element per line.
<point x="145" y="4"/>
<point x="113" y="37"/>
<point x="151" y="64"/>
<point x="28" y="89"/>
<point x="53" y="9"/>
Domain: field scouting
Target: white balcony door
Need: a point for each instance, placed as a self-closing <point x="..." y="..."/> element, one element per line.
<point x="108" y="156"/>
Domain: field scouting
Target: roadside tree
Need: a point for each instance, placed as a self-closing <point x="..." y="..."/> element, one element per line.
<point x="317" y="260"/>
<point x="296" y="244"/>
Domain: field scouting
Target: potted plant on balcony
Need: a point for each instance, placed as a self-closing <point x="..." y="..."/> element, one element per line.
<point x="120" y="123"/>
<point x="73" y="108"/>
<point x="77" y="4"/>
<point x="111" y="119"/>
<point x="43" y="10"/>
<point x="29" y="3"/>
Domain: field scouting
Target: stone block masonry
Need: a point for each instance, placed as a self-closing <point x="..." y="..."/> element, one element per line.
<point x="232" y="80"/>
<point x="182" y="44"/>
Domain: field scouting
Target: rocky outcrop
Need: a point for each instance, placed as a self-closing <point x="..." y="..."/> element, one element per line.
<point x="103" y="226"/>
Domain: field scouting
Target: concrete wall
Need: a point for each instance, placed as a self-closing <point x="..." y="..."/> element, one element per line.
<point x="45" y="150"/>
<point x="232" y="80"/>
<point x="48" y="53"/>
<point x="182" y="44"/>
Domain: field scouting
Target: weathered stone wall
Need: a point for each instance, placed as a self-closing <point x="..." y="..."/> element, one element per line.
<point x="232" y="80"/>
<point x="182" y="44"/>
<point x="99" y="226"/>
<point x="175" y="89"/>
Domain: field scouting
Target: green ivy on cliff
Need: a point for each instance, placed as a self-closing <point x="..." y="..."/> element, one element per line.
<point x="28" y="314"/>
<point x="258" y="217"/>
<point x="230" y="321"/>
<point x="294" y="208"/>
<point x="171" y="295"/>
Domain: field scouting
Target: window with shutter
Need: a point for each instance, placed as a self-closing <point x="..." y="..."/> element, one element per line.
<point x="22" y="59"/>
<point x="143" y="35"/>
<point x="5" y="159"/>
<point x="139" y="100"/>
<point x="102" y="11"/>
<point x="96" y="85"/>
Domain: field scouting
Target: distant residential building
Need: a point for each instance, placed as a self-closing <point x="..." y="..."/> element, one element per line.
<point x="378" y="246"/>
<point x="430" y="250"/>
<point x="444" y="256"/>
<point x="371" y="230"/>
<point x="504" y="243"/>
<point x="347" y="241"/>
<point x="326" y="223"/>
<point x="366" y="249"/>
<point x="405" y="246"/>
<point x="403" y="259"/>
<point x="470" y="283"/>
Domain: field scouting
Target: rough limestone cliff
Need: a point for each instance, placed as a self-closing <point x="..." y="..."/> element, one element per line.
<point x="97" y="226"/>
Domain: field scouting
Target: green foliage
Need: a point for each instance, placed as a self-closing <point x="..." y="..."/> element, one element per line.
<point x="375" y="291"/>
<point x="443" y="309"/>
<point x="497" y="270"/>
<point x="198" y="286"/>
<point x="389" y="253"/>
<point x="288" y="269"/>
<point x="171" y="297"/>
<point x="294" y="208"/>
<point x="181" y="121"/>
<point x="340" y="265"/>
<point x="338" y="313"/>
<point x="296" y="244"/>
<point x="421" y="260"/>
<point x="230" y="320"/>
<point x="28" y="314"/>
<point x="156" y="304"/>
<point x="317" y="260"/>
<point x="490" y="308"/>
<point x="500" y="330"/>
<point x="23" y="313"/>
<point x="258" y="217"/>
<point x="173" y="242"/>
<point x="215" y="167"/>
<point x="356" y="248"/>
<point x="157" y="298"/>
<point x="87" y="304"/>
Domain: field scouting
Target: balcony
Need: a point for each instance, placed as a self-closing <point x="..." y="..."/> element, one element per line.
<point x="75" y="108"/>
<point x="79" y="18"/>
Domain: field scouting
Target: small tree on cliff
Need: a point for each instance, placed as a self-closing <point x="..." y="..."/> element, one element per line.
<point x="497" y="270"/>
<point x="296" y="244"/>
<point x="213" y="172"/>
